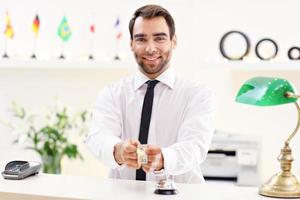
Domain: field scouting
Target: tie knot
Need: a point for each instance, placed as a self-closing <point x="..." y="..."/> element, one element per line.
<point x="152" y="83"/>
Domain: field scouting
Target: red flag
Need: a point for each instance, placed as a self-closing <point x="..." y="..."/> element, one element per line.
<point x="92" y="28"/>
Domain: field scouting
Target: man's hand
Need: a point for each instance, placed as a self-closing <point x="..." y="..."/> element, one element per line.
<point x="155" y="159"/>
<point x="125" y="153"/>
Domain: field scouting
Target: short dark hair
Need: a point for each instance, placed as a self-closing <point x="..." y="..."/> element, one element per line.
<point x="151" y="11"/>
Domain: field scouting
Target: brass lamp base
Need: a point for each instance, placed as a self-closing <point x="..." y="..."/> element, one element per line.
<point x="281" y="185"/>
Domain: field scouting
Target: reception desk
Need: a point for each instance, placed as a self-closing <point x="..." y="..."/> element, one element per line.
<point x="60" y="187"/>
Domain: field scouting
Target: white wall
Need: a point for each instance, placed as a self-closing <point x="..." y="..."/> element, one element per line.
<point x="200" y="24"/>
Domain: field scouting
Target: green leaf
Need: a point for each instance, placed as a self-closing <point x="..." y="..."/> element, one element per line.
<point x="62" y="119"/>
<point x="19" y="111"/>
<point x="51" y="133"/>
<point x="52" y="139"/>
<point x="83" y="116"/>
<point x="71" y="151"/>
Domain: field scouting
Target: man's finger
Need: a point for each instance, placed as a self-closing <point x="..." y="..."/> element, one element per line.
<point x="129" y="148"/>
<point x="146" y="168"/>
<point x="153" y="157"/>
<point x="133" y="165"/>
<point x="153" y="149"/>
<point x="134" y="142"/>
<point x="149" y="165"/>
<point x="128" y="160"/>
<point x="132" y="156"/>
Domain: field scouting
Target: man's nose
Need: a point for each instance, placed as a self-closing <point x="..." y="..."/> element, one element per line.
<point x="151" y="48"/>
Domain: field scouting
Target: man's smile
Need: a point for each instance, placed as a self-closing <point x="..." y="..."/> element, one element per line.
<point x="152" y="58"/>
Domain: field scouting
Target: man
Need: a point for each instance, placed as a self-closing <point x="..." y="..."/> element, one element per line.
<point x="173" y="116"/>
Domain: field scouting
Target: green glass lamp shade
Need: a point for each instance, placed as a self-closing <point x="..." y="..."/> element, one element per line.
<point x="265" y="91"/>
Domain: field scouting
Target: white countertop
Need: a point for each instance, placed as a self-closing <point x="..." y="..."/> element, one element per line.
<point x="46" y="186"/>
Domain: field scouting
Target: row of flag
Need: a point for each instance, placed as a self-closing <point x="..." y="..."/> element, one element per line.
<point x="64" y="32"/>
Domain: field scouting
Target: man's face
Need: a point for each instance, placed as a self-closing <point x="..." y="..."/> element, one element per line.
<point x="152" y="46"/>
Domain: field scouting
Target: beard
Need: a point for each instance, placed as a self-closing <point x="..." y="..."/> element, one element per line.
<point x="153" y="68"/>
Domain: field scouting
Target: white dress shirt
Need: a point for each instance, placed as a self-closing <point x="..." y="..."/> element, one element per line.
<point x="181" y="123"/>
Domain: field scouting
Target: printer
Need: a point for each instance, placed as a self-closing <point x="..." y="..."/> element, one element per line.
<point x="233" y="157"/>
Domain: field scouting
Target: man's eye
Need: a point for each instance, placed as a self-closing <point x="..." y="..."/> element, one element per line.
<point x="140" y="39"/>
<point x="160" y="39"/>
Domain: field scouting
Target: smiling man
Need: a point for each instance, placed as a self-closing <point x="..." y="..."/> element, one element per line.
<point x="152" y="45"/>
<point x="173" y="116"/>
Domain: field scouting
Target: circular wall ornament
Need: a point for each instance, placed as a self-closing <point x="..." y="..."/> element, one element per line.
<point x="266" y="49"/>
<point x="294" y="53"/>
<point x="234" y="45"/>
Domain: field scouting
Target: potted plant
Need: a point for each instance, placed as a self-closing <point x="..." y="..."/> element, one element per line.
<point x="48" y="132"/>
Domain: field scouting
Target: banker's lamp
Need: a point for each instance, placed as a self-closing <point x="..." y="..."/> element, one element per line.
<point x="267" y="91"/>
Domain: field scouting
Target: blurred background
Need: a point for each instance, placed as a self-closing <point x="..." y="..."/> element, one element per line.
<point x="200" y="25"/>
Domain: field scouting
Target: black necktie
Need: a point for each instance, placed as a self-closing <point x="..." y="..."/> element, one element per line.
<point x="145" y="121"/>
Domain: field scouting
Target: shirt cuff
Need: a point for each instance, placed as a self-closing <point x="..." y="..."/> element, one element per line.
<point x="170" y="159"/>
<point x="108" y="153"/>
<point x="102" y="147"/>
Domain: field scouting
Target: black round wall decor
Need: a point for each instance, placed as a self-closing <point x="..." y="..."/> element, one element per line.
<point x="259" y="49"/>
<point x="292" y="51"/>
<point x="234" y="57"/>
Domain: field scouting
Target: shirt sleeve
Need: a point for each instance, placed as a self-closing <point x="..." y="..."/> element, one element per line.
<point x="105" y="129"/>
<point x="195" y="135"/>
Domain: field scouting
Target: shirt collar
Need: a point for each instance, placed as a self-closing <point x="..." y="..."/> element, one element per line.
<point x="167" y="78"/>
